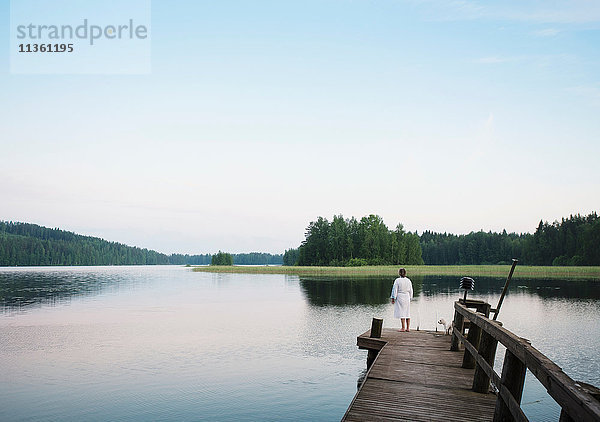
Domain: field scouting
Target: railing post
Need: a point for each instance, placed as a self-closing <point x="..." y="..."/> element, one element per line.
<point x="458" y="324"/>
<point x="513" y="378"/>
<point x="485" y="309"/>
<point x="473" y="337"/>
<point x="487" y="350"/>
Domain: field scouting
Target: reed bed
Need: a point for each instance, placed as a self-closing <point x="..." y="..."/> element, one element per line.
<point x="522" y="272"/>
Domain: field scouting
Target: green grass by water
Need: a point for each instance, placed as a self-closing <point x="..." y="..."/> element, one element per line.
<point x="525" y="272"/>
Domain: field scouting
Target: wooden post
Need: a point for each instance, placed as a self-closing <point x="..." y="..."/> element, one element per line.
<point x="485" y="310"/>
<point x="473" y="338"/>
<point x="487" y="350"/>
<point x="513" y="378"/>
<point x="478" y="305"/>
<point x="371" y="357"/>
<point x="458" y="324"/>
<point x="376" y="327"/>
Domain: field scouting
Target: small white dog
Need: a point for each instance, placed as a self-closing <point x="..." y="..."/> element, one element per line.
<point x="447" y="326"/>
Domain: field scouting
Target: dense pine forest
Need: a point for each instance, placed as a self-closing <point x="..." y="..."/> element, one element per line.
<point x="572" y="241"/>
<point x="339" y="242"/>
<point x="26" y="244"/>
<point x="350" y="242"/>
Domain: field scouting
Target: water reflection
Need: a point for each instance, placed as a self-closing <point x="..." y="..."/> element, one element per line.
<point x="558" y="316"/>
<point x="321" y="291"/>
<point x="170" y="344"/>
<point x="348" y="291"/>
<point x="21" y="288"/>
<point x="545" y="288"/>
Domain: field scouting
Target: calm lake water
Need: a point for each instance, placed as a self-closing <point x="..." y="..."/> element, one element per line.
<point x="165" y="343"/>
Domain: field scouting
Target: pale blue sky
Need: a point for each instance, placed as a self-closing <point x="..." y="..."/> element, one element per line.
<point x="259" y="116"/>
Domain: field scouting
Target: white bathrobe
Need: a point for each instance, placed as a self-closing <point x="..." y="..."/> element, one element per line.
<point x="402" y="293"/>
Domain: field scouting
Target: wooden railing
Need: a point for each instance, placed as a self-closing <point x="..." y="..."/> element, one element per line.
<point x="480" y="349"/>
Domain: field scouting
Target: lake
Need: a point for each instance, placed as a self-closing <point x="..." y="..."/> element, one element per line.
<point x="165" y="343"/>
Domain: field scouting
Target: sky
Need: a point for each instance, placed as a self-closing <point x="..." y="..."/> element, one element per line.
<point x="256" y="117"/>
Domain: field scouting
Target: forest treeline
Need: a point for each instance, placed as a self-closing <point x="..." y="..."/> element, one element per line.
<point x="352" y="242"/>
<point x="340" y="242"/>
<point x="24" y="244"/>
<point x="572" y="241"/>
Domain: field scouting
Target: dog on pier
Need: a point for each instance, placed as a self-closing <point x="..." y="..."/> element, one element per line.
<point x="447" y="326"/>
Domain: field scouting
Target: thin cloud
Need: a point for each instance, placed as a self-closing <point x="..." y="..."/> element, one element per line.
<point x="561" y="12"/>
<point x="492" y="60"/>
<point x="548" y="32"/>
<point x="539" y="60"/>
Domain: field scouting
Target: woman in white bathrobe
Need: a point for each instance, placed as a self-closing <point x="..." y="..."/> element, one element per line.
<point x="402" y="293"/>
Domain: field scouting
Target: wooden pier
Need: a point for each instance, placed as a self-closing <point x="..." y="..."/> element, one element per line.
<point x="430" y="376"/>
<point x="416" y="377"/>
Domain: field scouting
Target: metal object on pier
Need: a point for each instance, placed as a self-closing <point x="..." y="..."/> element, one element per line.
<point x="467" y="283"/>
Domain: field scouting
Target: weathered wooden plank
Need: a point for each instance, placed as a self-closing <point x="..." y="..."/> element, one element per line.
<point x="416" y="378"/>
<point x="442" y="357"/>
<point x="403" y="401"/>
<point x="370" y="343"/>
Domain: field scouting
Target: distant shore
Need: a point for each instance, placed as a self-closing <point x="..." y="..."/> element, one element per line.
<point x="523" y="272"/>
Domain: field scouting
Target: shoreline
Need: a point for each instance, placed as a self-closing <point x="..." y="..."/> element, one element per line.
<point x="522" y="272"/>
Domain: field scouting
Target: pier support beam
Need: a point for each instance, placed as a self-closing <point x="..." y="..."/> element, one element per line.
<point x="487" y="350"/>
<point x="473" y="337"/>
<point x="513" y="378"/>
<point x="458" y="324"/>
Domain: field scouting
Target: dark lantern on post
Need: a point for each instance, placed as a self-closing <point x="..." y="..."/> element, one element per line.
<point x="467" y="283"/>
